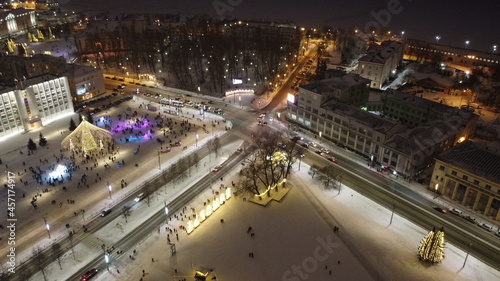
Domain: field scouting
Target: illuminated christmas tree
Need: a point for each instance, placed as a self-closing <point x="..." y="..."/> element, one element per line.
<point x="431" y="248"/>
<point x="87" y="137"/>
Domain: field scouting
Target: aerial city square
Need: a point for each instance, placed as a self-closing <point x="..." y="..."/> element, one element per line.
<point x="249" y="140"/>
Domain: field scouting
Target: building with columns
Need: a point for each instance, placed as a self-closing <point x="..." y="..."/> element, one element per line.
<point x="16" y="20"/>
<point x="469" y="173"/>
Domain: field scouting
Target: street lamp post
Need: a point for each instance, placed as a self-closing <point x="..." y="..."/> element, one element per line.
<point x="47" y="226"/>
<point x="494" y="48"/>
<point x="239" y="98"/>
<point x="435" y="190"/>
<point x="196" y="139"/>
<point x="467" y="44"/>
<point x="392" y="215"/>
<point x="109" y="189"/>
<point x="470" y="246"/>
<point x="166" y="211"/>
<point x="159" y="163"/>
<point x="437" y="39"/>
<point x="402" y="34"/>
<point x="106" y="259"/>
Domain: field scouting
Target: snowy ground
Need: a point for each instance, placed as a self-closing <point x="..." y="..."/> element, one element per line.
<point x="289" y="243"/>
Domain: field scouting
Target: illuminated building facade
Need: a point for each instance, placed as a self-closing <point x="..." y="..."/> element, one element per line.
<point x="33" y="103"/>
<point x="16" y="20"/>
<point x="469" y="174"/>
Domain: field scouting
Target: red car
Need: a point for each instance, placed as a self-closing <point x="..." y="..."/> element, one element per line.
<point x="89" y="274"/>
<point x="333" y="159"/>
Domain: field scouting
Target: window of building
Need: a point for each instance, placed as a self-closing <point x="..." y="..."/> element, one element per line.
<point x="487" y="187"/>
<point x="441" y="168"/>
<point x="476" y="182"/>
<point x="454" y="173"/>
<point x="465" y="177"/>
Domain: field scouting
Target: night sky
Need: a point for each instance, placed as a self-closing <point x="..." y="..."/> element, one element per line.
<point x="455" y="21"/>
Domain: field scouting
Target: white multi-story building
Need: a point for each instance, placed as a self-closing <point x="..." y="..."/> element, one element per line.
<point x="380" y="62"/>
<point x="33" y="103"/>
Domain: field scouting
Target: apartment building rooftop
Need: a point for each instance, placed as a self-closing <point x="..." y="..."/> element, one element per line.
<point x="377" y="123"/>
<point x="475" y="158"/>
<point x="421" y="138"/>
<point x="430" y="105"/>
<point x="381" y="53"/>
<point x="344" y="81"/>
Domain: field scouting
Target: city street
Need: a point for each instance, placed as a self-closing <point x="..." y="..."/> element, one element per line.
<point x="95" y="197"/>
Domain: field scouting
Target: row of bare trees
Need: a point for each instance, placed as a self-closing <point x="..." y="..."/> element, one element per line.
<point x="197" y="53"/>
<point x="327" y="175"/>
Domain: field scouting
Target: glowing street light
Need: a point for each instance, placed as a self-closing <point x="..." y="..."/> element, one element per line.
<point x="197" y="139"/>
<point x="106" y="259"/>
<point x="467" y="43"/>
<point x="437" y="39"/>
<point x="494" y="48"/>
<point x="402" y="34"/>
<point x="47" y="226"/>
<point x="435" y="190"/>
<point x="109" y="189"/>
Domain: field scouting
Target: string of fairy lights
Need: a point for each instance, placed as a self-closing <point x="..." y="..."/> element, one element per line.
<point x="431" y="248"/>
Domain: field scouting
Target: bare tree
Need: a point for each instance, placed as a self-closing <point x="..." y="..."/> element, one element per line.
<point x="57" y="252"/>
<point x="328" y="176"/>
<point x="39" y="258"/>
<point x="26" y="271"/>
<point x="4" y="274"/>
<point x="71" y="245"/>
<point x="216" y="146"/>
<point x="195" y="160"/>
<point x="313" y="170"/>
<point x="147" y="189"/>
<point x="270" y="163"/>
<point x="126" y="212"/>
<point x="183" y="165"/>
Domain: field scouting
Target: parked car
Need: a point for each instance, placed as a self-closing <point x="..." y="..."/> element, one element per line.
<point x="324" y="150"/>
<point x="216" y="168"/>
<point x="439" y="209"/>
<point x="497" y="233"/>
<point x="456" y="211"/>
<point x="485" y="226"/>
<point x="89" y="274"/>
<point x="333" y="159"/>
<point x="470" y="218"/>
